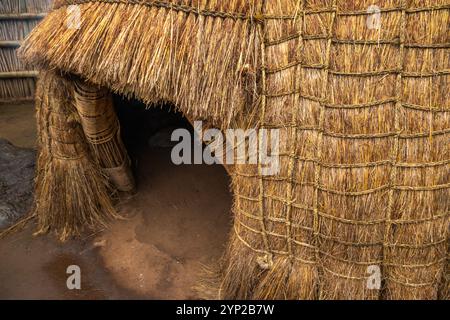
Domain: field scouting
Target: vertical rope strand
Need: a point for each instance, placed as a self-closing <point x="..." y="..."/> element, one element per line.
<point x="395" y="149"/>
<point x="318" y="163"/>
<point x="266" y="262"/>
<point x="294" y="137"/>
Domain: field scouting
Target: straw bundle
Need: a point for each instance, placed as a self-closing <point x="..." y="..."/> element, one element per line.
<point x="363" y="116"/>
<point x="102" y="129"/>
<point x="17" y="19"/>
<point x="71" y="191"/>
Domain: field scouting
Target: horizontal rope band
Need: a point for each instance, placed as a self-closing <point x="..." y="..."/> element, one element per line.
<point x="357" y="105"/>
<point x="387" y="134"/>
<point x="269" y="43"/>
<point x="257" y="17"/>
<point x="407" y="284"/>
<point x="276" y="220"/>
<point x="413" y="285"/>
<point x="344" y="166"/>
<point x="296" y="257"/>
<point x="408" y="74"/>
<point x="358" y="135"/>
<point x="353" y="193"/>
<point x="427" y="46"/>
<point x="68" y="158"/>
<point x="277" y="235"/>
<point x="360" y="105"/>
<point x="380" y="243"/>
<point x="370" y="135"/>
<point x="347" y="220"/>
<point x="170" y="6"/>
<point x="383" y="221"/>
<point x="381" y="262"/>
<point x="424" y="108"/>
<point x="366" y="42"/>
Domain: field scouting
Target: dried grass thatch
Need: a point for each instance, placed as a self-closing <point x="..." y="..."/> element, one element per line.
<point x="160" y="63"/>
<point x="364" y="119"/>
<point x="71" y="191"/>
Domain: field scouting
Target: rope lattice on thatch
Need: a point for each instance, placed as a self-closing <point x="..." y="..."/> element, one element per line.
<point x="326" y="232"/>
<point x="363" y="116"/>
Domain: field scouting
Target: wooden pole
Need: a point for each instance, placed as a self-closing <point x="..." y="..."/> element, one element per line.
<point x="9" y="44"/>
<point x="22" y="16"/>
<point x="18" y="74"/>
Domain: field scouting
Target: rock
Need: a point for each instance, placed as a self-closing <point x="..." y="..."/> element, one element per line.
<point x="16" y="182"/>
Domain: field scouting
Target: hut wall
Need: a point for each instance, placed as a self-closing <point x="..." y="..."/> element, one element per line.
<point x="17" y="19"/>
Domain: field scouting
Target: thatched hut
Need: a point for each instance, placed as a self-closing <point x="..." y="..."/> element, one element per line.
<point x="17" y="19"/>
<point x="363" y="113"/>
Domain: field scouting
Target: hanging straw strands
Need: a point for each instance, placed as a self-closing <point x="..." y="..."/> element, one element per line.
<point x="364" y="123"/>
<point x="68" y="180"/>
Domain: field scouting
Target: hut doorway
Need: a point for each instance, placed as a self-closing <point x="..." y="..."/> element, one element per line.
<point x="178" y="220"/>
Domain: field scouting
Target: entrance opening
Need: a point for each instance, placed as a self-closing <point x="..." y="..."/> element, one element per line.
<point x="178" y="220"/>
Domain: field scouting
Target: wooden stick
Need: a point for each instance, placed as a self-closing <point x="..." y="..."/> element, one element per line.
<point x="18" y="74"/>
<point x="22" y="16"/>
<point x="9" y="44"/>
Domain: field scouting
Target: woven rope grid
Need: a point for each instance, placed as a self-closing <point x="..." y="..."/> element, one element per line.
<point x="390" y="188"/>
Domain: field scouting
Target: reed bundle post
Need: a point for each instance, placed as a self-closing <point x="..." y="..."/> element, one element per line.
<point x="102" y="129"/>
<point x="71" y="192"/>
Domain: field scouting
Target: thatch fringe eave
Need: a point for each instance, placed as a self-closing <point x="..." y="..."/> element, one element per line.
<point x="162" y="63"/>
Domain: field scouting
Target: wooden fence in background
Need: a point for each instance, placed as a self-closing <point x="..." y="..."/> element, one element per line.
<point x="17" y="19"/>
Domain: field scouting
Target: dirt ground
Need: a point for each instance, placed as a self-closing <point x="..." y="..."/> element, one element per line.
<point x="177" y="222"/>
<point x="18" y="125"/>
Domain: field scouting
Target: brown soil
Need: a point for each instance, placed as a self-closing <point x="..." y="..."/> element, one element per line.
<point x="178" y="221"/>
<point x="18" y="125"/>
